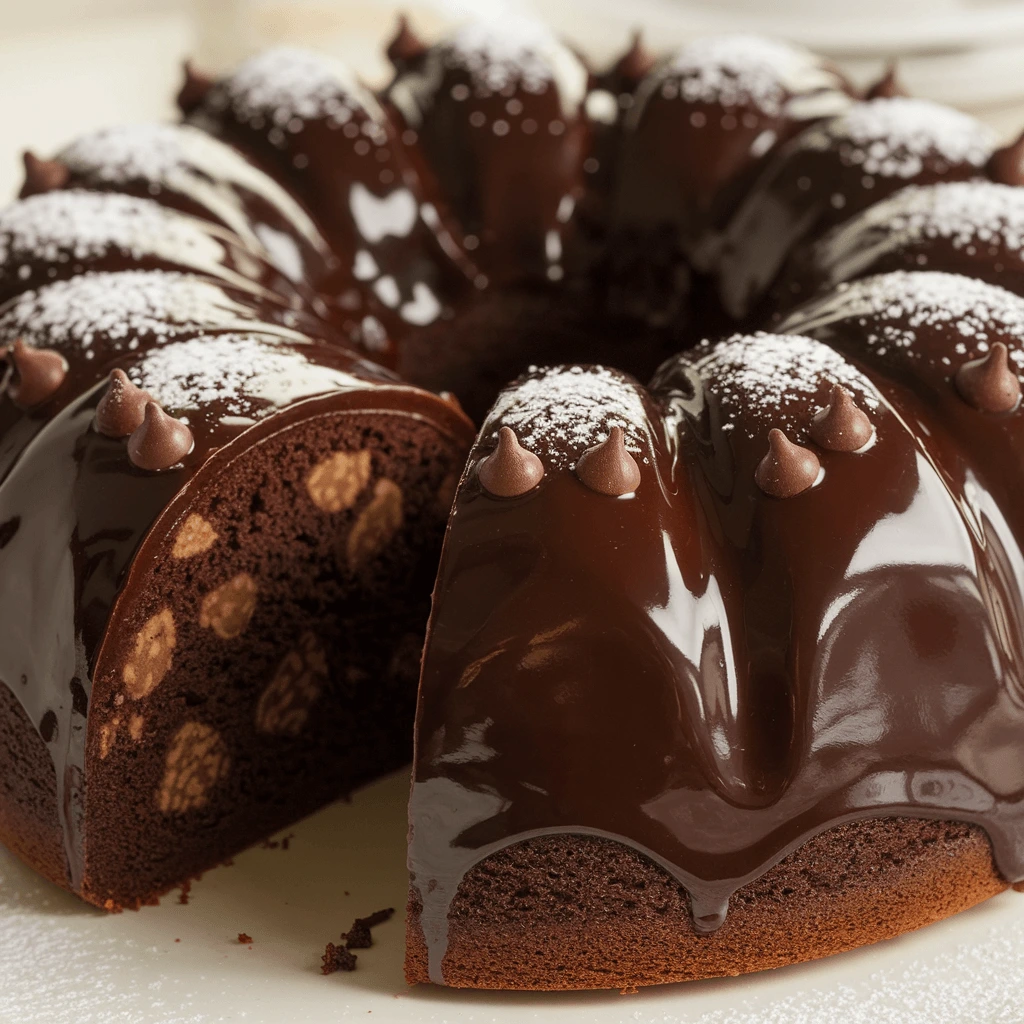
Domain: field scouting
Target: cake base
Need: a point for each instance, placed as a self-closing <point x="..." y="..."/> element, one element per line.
<point x="577" y="912"/>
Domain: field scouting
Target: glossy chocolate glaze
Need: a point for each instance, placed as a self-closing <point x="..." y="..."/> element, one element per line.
<point x="185" y="169"/>
<point x="199" y="317"/>
<point x="55" y="236"/>
<point x="694" y="668"/>
<point x="712" y="675"/>
<point x="76" y="513"/>
<point x="834" y="170"/>
<point x="702" y="124"/>
<point x="306" y="120"/>
<point x="974" y="228"/>
<point x="676" y="149"/>
<point x="497" y="122"/>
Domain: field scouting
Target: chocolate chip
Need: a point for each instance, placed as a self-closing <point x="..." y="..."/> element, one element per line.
<point x="160" y="441"/>
<point x="123" y="408"/>
<point x="990" y="383"/>
<point x="787" y="469"/>
<point x="841" y="426"/>
<point x="1006" y="165"/>
<point x="886" y="87"/>
<point x="635" y="64"/>
<point x="194" y="89"/>
<point x="38" y="374"/>
<point x="510" y="470"/>
<point x="42" y="175"/>
<point x="608" y="468"/>
<point x="405" y="47"/>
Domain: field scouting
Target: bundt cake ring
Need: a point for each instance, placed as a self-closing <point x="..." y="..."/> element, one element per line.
<point x="722" y="671"/>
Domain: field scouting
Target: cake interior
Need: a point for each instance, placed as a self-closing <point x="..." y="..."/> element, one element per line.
<point x="267" y="663"/>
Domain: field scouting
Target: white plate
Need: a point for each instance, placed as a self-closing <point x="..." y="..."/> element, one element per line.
<point x="64" y="963"/>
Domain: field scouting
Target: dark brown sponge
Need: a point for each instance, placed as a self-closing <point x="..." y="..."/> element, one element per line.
<point x="577" y="912"/>
<point x="267" y="663"/>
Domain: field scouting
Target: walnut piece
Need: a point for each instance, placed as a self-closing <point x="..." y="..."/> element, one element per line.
<point x="335" y="482"/>
<point x="135" y="727"/>
<point x="195" y="537"/>
<point x="376" y="525"/>
<point x="228" y="609"/>
<point x="153" y="655"/>
<point x="108" y="736"/>
<point x="284" y="705"/>
<point x="196" y="761"/>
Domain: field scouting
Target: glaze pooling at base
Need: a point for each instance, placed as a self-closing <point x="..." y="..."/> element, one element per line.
<point x="706" y="673"/>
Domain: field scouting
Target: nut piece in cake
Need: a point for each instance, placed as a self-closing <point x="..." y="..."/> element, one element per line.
<point x="108" y="736"/>
<point x="196" y="761"/>
<point x="152" y="658"/>
<point x="284" y="705"/>
<point x="335" y="482"/>
<point x="195" y="537"/>
<point x="376" y="525"/>
<point x="228" y="609"/>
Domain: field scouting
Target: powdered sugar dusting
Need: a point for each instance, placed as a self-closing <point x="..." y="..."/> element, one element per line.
<point x="63" y="227"/>
<point x="893" y="308"/>
<point x="557" y="413"/>
<point x="186" y="161"/>
<point x="770" y="380"/>
<point x="113" y="310"/>
<point x="744" y="70"/>
<point x="156" y="153"/>
<point x="286" y="86"/>
<point x="512" y="51"/>
<point x="223" y="368"/>
<point x="966" y="213"/>
<point x="895" y="137"/>
<point x="501" y="56"/>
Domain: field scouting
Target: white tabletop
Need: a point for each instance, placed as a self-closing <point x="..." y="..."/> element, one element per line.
<point x="62" y="962"/>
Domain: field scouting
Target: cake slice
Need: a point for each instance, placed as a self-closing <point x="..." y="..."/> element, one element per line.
<point x="701" y="654"/>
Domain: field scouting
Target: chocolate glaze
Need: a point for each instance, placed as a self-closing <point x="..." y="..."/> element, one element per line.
<point x="834" y="170"/>
<point x="187" y="170"/>
<point x="59" y="235"/>
<point x="677" y="150"/>
<point x="701" y="125"/>
<point x="498" y="128"/>
<point x="308" y="123"/>
<point x="709" y="674"/>
<point x="972" y="228"/>
<point x="88" y="522"/>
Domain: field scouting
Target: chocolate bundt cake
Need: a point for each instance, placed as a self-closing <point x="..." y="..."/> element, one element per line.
<point x="722" y="672"/>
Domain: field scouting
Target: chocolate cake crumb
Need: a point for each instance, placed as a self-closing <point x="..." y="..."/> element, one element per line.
<point x="278" y="844"/>
<point x="186" y="889"/>
<point x="244" y="939"/>
<point x="337" y="958"/>
<point x="358" y="936"/>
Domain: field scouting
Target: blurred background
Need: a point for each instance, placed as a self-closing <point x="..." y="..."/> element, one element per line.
<point x="67" y="66"/>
